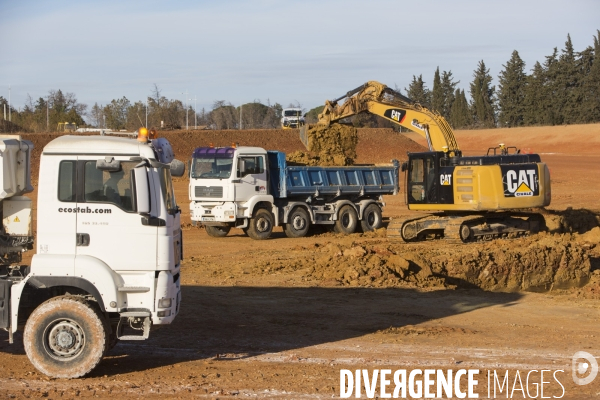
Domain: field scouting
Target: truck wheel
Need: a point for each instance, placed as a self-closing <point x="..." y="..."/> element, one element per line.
<point x="65" y="337"/>
<point x="347" y="220"/>
<point x="260" y="225"/>
<point x="217" y="231"/>
<point x="371" y="218"/>
<point x="299" y="223"/>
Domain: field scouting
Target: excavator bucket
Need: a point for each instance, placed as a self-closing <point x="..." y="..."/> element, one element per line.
<point x="304" y="135"/>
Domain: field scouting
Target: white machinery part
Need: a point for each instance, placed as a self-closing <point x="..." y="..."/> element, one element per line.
<point x="15" y="157"/>
<point x="16" y="213"/>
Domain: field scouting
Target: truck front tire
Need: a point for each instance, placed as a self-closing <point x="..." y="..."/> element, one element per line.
<point x="347" y="220"/>
<point x="371" y="218"/>
<point x="298" y="224"/>
<point x="65" y="337"/>
<point x="260" y="225"/>
<point x="217" y="231"/>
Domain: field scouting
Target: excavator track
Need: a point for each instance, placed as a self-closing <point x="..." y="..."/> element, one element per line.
<point x="466" y="228"/>
<point x="407" y="228"/>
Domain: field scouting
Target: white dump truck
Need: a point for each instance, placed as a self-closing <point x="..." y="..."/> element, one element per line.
<point x="109" y="246"/>
<point x="254" y="189"/>
<point x="291" y="118"/>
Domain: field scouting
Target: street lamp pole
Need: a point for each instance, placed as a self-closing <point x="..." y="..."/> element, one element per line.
<point x="9" y="113"/>
<point x="186" y="109"/>
<point x="47" y="113"/>
<point x="146" y="112"/>
<point x="195" y="113"/>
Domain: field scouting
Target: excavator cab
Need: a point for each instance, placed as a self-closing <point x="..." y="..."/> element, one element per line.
<point x="429" y="178"/>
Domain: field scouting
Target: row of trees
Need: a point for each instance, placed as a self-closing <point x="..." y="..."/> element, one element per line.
<point x="564" y="89"/>
<point x="47" y="114"/>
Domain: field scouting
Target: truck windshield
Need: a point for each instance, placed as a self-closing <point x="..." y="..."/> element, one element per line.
<point x="291" y="113"/>
<point x="211" y="167"/>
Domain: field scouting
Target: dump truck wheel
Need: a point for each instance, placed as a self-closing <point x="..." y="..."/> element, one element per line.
<point x="65" y="337"/>
<point x="260" y="225"/>
<point x="371" y="218"/>
<point x="298" y="224"/>
<point x="217" y="231"/>
<point x="347" y="220"/>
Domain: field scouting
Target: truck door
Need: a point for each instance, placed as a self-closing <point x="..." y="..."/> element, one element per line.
<point x="108" y="225"/>
<point x="423" y="179"/>
<point x="252" y="176"/>
<point x="57" y="211"/>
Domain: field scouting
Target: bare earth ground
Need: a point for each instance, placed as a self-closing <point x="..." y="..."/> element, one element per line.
<point x="280" y="318"/>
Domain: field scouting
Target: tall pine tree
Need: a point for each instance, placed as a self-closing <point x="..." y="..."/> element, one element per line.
<point x="566" y="83"/>
<point x="442" y="95"/>
<point x="460" y="115"/>
<point x="482" y="97"/>
<point x="535" y="97"/>
<point x="511" y="92"/>
<point x="551" y="100"/>
<point x="448" y="88"/>
<point x="437" y="94"/>
<point x="592" y="85"/>
<point x="418" y="92"/>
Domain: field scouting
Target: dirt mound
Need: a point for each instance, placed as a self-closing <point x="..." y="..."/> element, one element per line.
<point x="571" y="220"/>
<point x="539" y="263"/>
<point x="321" y="159"/>
<point x="331" y="145"/>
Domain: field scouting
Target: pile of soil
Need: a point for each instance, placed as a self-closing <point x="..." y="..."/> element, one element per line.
<point x="539" y="263"/>
<point x="331" y="145"/>
<point x="571" y="220"/>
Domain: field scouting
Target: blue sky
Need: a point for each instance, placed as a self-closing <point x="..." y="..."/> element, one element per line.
<point x="282" y="51"/>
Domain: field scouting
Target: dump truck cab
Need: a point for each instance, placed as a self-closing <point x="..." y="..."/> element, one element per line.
<point x="291" y="118"/>
<point x="108" y="251"/>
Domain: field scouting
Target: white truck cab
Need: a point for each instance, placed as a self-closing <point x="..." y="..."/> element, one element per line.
<point x="226" y="185"/>
<point x="291" y="118"/>
<point x="109" y="248"/>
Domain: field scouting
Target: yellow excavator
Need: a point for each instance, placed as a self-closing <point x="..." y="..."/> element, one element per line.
<point x="462" y="198"/>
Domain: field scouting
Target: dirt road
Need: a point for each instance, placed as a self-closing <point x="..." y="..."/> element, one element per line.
<point x="281" y="318"/>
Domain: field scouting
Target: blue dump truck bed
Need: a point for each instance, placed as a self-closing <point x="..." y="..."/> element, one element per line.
<point x="292" y="181"/>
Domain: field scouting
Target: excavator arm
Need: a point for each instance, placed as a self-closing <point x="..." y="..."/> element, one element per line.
<point x="378" y="99"/>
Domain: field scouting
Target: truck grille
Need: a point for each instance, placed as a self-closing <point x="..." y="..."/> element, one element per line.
<point x="208" y="191"/>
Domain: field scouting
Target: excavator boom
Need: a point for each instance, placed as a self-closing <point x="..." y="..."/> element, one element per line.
<point x="376" y="98"/>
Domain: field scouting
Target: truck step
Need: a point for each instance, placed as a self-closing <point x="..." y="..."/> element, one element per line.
<point x="134" y="289"/>
<point x="126" y="314"/>
<point x="132" y="337"/>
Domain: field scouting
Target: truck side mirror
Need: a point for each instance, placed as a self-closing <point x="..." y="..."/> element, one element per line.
<point x="404" y="166"/>
<point x="241" y="168"/>
<point x="177" y="168"/>
<point x="142" y="190"/>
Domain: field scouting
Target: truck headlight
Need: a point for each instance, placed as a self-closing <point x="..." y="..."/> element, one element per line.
<point x="164" y="303"/>
<point x="229" y="214"/>
<point x="162" y="314"/>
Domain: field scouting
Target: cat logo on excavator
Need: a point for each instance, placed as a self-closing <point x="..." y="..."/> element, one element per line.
<point x="520" y="181"/>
